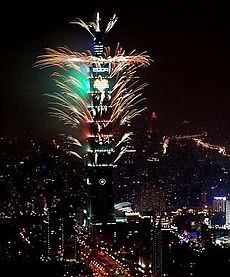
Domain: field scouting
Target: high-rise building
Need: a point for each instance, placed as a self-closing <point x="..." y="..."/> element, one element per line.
<point x="219" y="211"/>
<point x="99" y="157"/>
<point x="150" y="250"/>
<point x="219" y="204"/>
<point x="109" y="100"/>
<point x="99" y="163"/>
<point x="228" y="213"/>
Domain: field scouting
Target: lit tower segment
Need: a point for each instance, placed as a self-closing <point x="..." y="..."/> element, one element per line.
<point x="99" y="157"/>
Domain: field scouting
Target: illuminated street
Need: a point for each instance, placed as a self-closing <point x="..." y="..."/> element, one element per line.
<point x="101" y="263"/>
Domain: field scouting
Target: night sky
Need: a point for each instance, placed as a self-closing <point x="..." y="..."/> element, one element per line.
<point x="189" y="41"/>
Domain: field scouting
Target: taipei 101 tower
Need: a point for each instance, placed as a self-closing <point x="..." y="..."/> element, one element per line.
<point x="101" y="93"/>
<point x="99" y="159"/>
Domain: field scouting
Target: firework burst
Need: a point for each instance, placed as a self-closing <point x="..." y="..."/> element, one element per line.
<point x="105" y="102"/>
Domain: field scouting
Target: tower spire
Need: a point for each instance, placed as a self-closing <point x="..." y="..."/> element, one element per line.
<point x="98" y="38"/>
<point x="97" y="29"/>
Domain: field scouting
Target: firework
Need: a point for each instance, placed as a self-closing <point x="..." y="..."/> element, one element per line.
<point x="101" y="90"/>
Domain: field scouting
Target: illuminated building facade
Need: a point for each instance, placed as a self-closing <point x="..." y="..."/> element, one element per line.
<point x="228" y="213"/>
<point x="150" y="249"/>
<point x="219" y="204"/>
<point x="99" y="160"/>
<point x="219" y="211"/>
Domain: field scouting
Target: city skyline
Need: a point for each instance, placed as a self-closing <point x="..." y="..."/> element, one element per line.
<point x="163" y="208"/>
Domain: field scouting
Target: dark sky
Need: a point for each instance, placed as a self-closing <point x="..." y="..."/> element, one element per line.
<point x="189" y="42"/>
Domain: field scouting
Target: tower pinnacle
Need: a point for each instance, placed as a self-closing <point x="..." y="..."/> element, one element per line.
<point x="97" y="29"/>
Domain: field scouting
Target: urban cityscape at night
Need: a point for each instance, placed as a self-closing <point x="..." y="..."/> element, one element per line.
<point x="114" y="142"/>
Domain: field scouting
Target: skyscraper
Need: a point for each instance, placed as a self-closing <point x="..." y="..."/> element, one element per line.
<point x="102" y="91"/>
<point x="228" y="213"/>
<point x="99" y="157"/>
